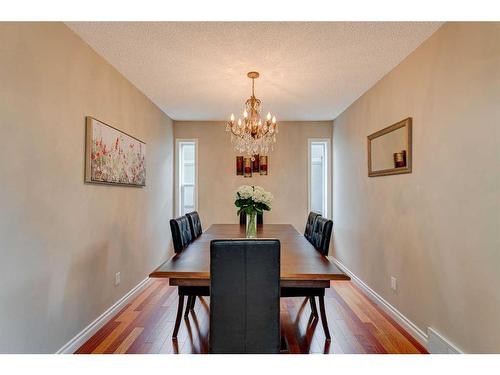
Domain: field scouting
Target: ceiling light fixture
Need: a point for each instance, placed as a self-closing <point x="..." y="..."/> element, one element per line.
<point x="253" y="135"/>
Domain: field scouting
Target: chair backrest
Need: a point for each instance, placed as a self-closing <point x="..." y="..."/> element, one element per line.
<point x="244" y="296"/>
<point x="195" y="224"/>
<point x="243" y="218"/>
<point x="311" y="219"/>
<point x="181" y="233"/>
<point x="321" y="234"/>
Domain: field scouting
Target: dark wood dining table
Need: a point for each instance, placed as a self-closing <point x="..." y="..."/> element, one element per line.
<point x="301" y="264"/>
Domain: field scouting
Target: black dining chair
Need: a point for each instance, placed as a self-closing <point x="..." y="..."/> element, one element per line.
<point x="311" y="220"/>
<point x="308" y="234"/>
<point x="243" y="218"/>
<point x="244" y="301"/>
<point x="322" y="232"/>
<point x="181" y="233"/>
<point x="320" y="239"/>
<point x="196" y="231"/>
<point x="182" y="237"/>
<point x="195" y="224"/>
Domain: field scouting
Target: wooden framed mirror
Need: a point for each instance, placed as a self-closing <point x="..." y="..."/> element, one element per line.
<point x="389" y="150"/>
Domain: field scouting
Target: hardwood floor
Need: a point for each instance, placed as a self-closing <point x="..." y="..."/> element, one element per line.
<point x="356" y="325"/>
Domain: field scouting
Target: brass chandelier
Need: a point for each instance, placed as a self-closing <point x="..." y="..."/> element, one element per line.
<point x="253" y="135"/>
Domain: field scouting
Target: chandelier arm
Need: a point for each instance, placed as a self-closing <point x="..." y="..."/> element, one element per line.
<point x="237" y="135"/>
<point x="262" y="134"/>
<point x="267" y="131"/>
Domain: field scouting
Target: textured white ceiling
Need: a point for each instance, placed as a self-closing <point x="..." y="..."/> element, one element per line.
<point x="309" y="70"/>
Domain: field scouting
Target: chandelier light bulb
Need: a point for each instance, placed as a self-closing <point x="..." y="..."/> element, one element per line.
<point x="232" y="117"/>
<point x="245" y="113"/>
<point x="239" y="122"/>
<point x="268" y="116"/>
<point x="274" y="120"/>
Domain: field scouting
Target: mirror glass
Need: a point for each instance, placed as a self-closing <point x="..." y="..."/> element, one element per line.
<point x="390" y="150"/>
<point x="384" y="148"/>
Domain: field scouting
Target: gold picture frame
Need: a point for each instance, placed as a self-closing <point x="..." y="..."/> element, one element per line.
<point x="407" y="168"/>
<point x="113" y="157"/>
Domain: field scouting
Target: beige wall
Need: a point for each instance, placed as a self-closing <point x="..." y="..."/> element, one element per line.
<point x="436" y="229"/>
<point x="61" y="241"/>
<point x="287" y="178"/>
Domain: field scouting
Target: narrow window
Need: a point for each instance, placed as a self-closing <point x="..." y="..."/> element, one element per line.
<point x="186" y="176"/>
<point x="318" y="175"/>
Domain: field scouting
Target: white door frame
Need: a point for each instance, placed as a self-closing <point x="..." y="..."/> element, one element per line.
<point x="328" y="192"/>
<point x="177" y="199"/>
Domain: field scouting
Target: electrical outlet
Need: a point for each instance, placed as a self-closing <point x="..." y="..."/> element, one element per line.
<point x="117" y="278"/>
<point x="393" y="283"/>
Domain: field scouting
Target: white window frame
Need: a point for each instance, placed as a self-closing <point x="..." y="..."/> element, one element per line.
<point x="326" y="167"/>
<point x="178" y="196"/>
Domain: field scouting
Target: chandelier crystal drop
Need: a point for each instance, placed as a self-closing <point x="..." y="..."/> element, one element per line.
<point x="253" y="135"/>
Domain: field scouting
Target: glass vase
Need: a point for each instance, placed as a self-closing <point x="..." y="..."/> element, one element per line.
<point x="252" y="225"/>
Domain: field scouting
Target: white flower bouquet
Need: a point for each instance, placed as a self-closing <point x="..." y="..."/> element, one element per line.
<point x="253" y="199"/>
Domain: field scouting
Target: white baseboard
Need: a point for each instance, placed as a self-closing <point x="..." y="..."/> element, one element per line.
<point x="394" y="313"/>
<point x="439" y="344"/>
<point x="72" y="345"/>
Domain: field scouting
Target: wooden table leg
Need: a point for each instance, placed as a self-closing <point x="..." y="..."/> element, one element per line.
<point x="188" y="306"/>
<point x="323" y="317"/>
<point x="192" y="303"/>
<point x="180" y="306"/>
<point x="314" y="310"/>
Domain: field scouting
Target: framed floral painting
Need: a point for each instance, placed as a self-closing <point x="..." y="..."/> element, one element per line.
<point x="112" y="156"/>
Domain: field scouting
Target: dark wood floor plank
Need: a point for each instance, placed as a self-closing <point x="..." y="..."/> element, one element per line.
<point x="148" y="324"/>
<point x="137" y="322"/>
<point x="391" y="336"/>
<point x="98" y="337"/>
<point x="413" y="342"/>
<point x="357" y="325"/>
